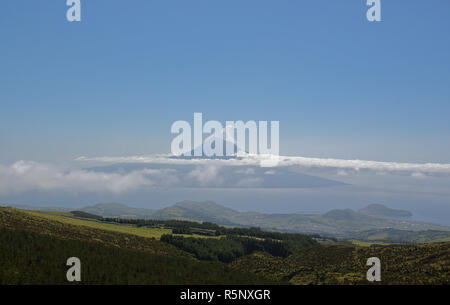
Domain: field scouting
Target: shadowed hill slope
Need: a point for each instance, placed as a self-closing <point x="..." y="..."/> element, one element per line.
<point x="400" y="264"/>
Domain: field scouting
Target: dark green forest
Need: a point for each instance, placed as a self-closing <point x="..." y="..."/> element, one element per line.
<point x="32" y="258"/>
<point x="229" y="248"/>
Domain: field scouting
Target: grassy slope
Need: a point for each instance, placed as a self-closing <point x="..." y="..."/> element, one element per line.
<point x="66" y="218"/>
<point x="56" y="225"/>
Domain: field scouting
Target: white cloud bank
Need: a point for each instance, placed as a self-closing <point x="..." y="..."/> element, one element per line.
<point x="286" y="161"/>
<point x="27" y="175"/>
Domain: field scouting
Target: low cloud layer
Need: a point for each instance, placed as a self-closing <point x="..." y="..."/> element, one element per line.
<point x="24" y="176"/>
<point x="27" y="175"/>
<point x="114" y="176"/>
<point x="286" y="161"/>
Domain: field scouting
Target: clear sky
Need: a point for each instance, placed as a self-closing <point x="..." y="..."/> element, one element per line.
<point x="113" y="84"/>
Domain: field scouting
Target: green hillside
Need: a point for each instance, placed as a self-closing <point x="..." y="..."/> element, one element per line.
<point x="36" y="244"/>
<point x="44" y="219"/>
<point x="64" y="227"/>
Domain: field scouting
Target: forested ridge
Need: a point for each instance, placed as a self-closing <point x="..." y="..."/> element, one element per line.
<point x="400" y="264"/>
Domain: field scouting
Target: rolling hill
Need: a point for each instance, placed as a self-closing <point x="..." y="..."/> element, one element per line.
<point x="198" y="211"/>
<point x="343" y="223"/>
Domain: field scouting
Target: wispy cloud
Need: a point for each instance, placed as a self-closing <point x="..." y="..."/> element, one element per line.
<point x="206" y="175"/>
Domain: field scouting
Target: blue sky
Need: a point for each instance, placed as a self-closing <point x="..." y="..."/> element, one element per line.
<point x="113" y="84"/>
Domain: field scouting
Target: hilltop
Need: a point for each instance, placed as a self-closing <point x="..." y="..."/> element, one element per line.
<point x="198" y="211"/>
<point x="383" y="211"/>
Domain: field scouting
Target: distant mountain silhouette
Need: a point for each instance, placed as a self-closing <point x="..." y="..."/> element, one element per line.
<point x="383" y="211"/>
<point x="343" y="223"/>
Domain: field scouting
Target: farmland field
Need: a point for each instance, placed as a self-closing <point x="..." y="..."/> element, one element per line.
<point x="65" y="217"/>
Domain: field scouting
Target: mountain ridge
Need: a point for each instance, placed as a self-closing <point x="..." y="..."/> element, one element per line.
<point x="338" y="222"/>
